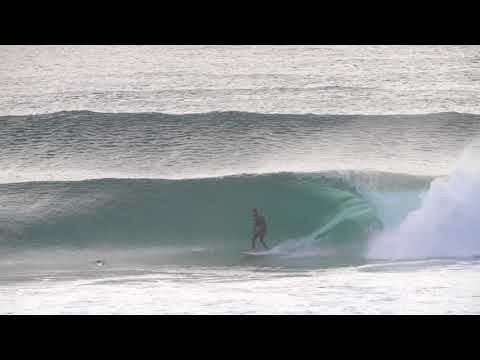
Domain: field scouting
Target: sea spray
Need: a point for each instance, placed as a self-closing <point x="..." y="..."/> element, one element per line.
<point x="447" y="222"/>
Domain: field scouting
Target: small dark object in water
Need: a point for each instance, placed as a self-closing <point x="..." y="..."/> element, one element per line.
<point x="100" y="262"/>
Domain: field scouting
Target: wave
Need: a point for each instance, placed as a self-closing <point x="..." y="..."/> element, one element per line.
<point x="81" y="145"/>
<point x="310" y="216"/>
<point x="305" y="212"/>
<point x="213" y="115"/>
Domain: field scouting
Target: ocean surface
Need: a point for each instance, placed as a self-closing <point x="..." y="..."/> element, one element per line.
<point x="128" y="175"/>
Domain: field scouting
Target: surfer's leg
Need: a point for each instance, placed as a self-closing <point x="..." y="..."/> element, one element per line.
<point x="261" y="240"/>
<point x="253" y="240"/>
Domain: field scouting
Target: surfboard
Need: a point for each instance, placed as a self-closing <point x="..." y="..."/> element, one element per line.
<point x="256" y="253"/>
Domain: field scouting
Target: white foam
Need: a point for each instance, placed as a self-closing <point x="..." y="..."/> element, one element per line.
<point x="447" y="224"/>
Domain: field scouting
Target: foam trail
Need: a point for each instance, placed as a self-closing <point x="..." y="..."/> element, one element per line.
<point x="311" y="245"/>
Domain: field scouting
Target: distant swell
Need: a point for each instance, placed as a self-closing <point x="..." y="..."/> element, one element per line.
<point x="81" y="145"/>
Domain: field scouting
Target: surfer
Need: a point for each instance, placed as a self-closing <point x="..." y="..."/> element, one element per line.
<point x="259" y="228"/>
<point x="100" y="262"/>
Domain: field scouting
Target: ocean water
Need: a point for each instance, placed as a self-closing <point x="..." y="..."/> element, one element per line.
<point x="128" y="174"/>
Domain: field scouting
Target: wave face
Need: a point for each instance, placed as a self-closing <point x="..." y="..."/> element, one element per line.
<point x="303" y="211"/>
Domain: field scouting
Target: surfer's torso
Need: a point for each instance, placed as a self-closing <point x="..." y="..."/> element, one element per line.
<point x="260" y="224"/>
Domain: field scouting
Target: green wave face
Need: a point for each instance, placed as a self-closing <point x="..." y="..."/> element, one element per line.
<point x="213" y="212"/>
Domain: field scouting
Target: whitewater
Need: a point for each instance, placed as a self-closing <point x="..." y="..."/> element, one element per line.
<point x="128" y="188"/>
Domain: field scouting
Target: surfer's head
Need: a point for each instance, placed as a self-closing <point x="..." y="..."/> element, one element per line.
<point x="254" y="212"/>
